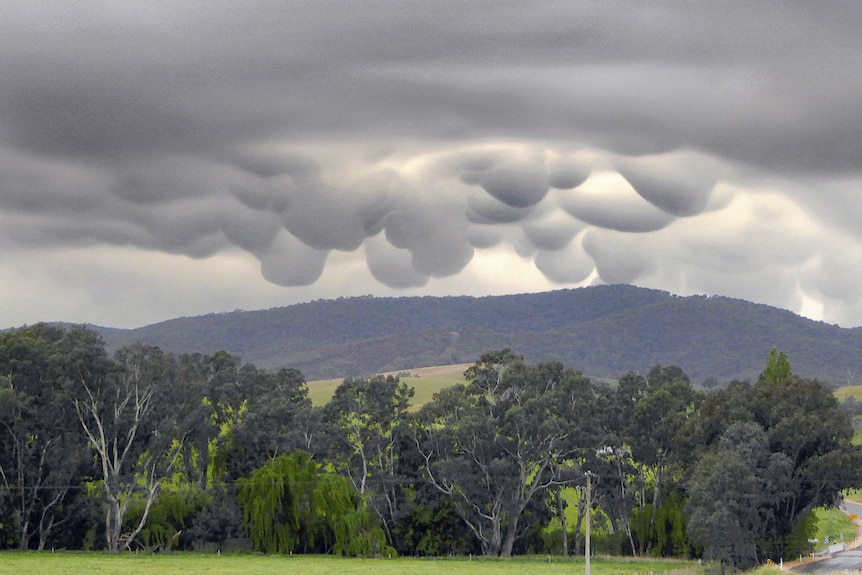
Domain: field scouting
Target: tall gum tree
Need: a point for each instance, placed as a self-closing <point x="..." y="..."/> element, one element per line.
<point x="495" y="446"/>
<point x="133" y="424"/>
<point x="803" y="439"/>
<point x="366" y="421"/>
<point x="41" y="453"/>
<point x="653" y="419"/>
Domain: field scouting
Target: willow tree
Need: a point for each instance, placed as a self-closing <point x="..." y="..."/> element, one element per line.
<point x="290" y="505"/>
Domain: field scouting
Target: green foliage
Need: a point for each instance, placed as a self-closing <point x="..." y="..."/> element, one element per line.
<point x="220" y="447"/>
<point x="256" y="564"/>
<point x="175" y="510"/>
<point x="291" y="506"/>
<point x="434" y="529"/>
<point x="495" y="445"/>
<point x="472" y="470"/>
<point x="662" y="531"/>
<point x="777" y="367"/>
<point x="273" y="499"/>
<point x="354" y="532"/>
<point x="784" y="448"/>
<point x="670" y="529"/>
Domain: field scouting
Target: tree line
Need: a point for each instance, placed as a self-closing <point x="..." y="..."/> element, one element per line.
<point x="156" y="451"/>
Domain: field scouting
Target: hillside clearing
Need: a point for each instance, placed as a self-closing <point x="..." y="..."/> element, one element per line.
<point x="425" y="380"/>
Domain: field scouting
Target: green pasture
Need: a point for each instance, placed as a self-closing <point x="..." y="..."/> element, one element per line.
<point x="425" y="386"/>
<point x="833" y="523"/>
<point x="854" y="391"/>
<point x="13" y="563"/>
<point x="322" y="390"/>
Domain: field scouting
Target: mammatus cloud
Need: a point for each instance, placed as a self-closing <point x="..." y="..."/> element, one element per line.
<point x="320" y="150"/>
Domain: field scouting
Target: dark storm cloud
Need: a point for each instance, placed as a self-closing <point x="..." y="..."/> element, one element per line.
<point x="765" y="83"/>
<point x="436" y="238"/>
<point x="586" y="137"/>
<point x="327" y="218"/>
<point x="289" y="262"/>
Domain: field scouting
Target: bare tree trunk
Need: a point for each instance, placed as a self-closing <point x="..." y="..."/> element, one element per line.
<point x="49" y="516"/>
<point x="582" y="509"/>
<point x="561" y="513"/>
<point x="509" y="541"/>
<point x="132" y="403"/>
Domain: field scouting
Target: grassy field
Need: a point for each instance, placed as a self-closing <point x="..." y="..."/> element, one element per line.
<point x="835" y="524"/>
<point x="193" y="564"/>
<point x="854" y="391"/>
<point x="425" y="380"/>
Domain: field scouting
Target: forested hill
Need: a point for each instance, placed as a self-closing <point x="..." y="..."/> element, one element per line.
<point x="602" y="331"/>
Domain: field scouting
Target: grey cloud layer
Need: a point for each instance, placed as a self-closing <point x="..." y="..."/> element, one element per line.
<point x="771" y="84"/>
<point x="587" y="137"/>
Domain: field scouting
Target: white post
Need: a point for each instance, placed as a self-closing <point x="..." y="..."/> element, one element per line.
<point x="587" y="543"/>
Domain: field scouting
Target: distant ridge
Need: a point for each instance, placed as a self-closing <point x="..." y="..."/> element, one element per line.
<point x="602" y="331"/>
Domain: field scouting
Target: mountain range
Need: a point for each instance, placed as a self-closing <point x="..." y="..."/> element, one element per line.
<point x="602" y="331"/>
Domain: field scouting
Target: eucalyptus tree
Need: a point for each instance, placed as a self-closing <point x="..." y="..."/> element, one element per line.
<point x="135" y="418"/>
<point x="274" y="422"/>
<point x="42" y="458"/>
<point x="226" y="389"/>
<point x="496" y="445"/>
<point x="732" y="492"/>
<point x="616" y="486"/>
<point x="365" y="420"/>
<point x="803" y="420"/>
<point x="653" y="420"/>
<point x="796" y="437"/>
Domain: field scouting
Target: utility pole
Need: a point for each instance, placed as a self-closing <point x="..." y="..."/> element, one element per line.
<point x="587" y="543"/>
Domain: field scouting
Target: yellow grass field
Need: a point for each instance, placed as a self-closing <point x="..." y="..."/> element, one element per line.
<point x="854" y="391"/>
<point x="425" y="380"/>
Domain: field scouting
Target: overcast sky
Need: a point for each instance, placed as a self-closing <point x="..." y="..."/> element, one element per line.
<point x="160" y="159"/>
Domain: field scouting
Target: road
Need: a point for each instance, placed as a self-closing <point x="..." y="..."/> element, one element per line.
<point x="843" y="562"/>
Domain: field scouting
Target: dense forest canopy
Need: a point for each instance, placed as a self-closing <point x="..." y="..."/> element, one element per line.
<point x="150" y="450"/>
